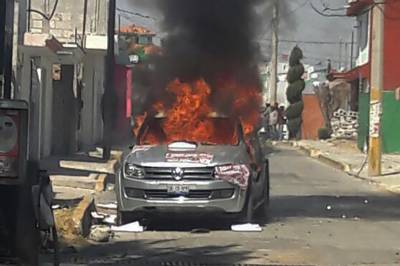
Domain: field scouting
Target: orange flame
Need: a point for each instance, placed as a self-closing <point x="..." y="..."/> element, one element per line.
<point x="187" y="118"/>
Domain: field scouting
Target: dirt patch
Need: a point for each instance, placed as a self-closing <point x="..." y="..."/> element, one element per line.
<point x="68" y="233"/>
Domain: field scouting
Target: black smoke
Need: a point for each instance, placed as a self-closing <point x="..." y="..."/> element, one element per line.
<point x="210" y="39"/>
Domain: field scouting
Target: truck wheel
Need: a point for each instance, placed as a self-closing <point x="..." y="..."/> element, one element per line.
<point x="263" y="210"/>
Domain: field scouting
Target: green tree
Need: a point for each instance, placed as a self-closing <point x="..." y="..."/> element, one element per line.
<point x="294" y="93"/>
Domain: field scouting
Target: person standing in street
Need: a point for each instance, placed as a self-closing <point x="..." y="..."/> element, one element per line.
<point x="266" y="113"/>
<point x="281" y="122"/>
<point x="273" y="121"/>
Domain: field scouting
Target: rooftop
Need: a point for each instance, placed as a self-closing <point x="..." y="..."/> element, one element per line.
<point x="135" y="29"/>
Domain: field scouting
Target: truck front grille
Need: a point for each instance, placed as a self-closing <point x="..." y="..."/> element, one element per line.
<point x="192" y="173"/>
<point x="163" y="194"/>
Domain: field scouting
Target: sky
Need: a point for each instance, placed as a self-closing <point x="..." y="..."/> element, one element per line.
<point x="299" y="22"/>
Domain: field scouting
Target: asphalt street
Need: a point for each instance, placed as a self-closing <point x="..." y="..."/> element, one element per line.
<point x="318" y="216"/>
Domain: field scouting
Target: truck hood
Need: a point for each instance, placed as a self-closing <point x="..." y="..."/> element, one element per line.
<point x="165" y="156"/>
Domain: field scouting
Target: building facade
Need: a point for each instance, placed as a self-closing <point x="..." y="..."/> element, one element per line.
<point x="61" y="71"/>
<point x="360" y="76"/>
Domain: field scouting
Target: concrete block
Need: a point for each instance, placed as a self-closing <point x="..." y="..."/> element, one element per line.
<point x="70" y="195"/>
<point x="83" y="182"/>
<point x="107" y="168"/>
<point x="101" y="183"/>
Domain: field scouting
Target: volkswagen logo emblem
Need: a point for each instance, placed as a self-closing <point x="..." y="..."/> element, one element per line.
<point x="177" y="174"/>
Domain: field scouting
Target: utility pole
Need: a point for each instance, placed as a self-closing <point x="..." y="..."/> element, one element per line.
<point x="377" y="56"/>
<point x="274" y="61"/>
<point x="340" y="54"/>
<point x="109" y="96"/>
<point x="352" y="49"/>
<point x="6" y="47"/>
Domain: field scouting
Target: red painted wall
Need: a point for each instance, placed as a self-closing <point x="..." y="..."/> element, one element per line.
<point x="312" y="117"/>
<point x="392" y="45"/>
<point x="123" y="89"/>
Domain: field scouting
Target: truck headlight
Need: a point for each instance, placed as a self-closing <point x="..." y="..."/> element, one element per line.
<point x="134" y="171"/>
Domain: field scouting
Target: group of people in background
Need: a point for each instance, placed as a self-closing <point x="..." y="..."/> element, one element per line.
<point x="274" y="121"/>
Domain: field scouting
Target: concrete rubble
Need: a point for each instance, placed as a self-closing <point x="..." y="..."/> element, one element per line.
<point x="344" y="124"/>
<point x="77" y="216"/>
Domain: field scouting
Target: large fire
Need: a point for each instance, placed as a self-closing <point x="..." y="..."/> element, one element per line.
<point x="187" y="118"/>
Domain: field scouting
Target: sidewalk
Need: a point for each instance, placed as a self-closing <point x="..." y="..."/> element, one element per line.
<point x="344" y="155"/>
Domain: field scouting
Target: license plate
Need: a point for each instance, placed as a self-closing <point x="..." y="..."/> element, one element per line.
<point x="178" y="189"/>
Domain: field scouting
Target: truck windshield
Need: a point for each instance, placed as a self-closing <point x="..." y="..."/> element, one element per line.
<point x="209" y="131"/>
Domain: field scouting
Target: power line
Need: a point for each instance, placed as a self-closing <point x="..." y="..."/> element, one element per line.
<point x="309" y="42"/>
<point x="300" y="6"/>
<point x="136" y="14"/>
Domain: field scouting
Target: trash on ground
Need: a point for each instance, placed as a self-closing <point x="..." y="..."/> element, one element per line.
<point x="56" y="207"/>
<point x="97" y="215"/>
<point x="111" y="206"/>
<point x="110" y="187"/>
<point x="344" y="216"/>
<point x="111" y="219"/>
<point x="134" y="227"/>
<point x="246" y="228"/>
<point x="329" y="207"/>
<point x="100" y="233"/>
<point x="366" y="201"/>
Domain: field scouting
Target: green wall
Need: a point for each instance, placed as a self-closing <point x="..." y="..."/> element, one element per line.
<point x="390" y="122"/>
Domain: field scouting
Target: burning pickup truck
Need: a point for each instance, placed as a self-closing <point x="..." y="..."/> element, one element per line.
<point x="214" y="173"/>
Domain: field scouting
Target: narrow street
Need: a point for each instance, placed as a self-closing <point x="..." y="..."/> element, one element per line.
<point x="319" y="216"/>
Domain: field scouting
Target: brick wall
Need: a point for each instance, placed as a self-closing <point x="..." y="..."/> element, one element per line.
<point x="68" y="18"/>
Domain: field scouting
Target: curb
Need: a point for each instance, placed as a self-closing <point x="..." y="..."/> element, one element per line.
<point x="336" y="164"/>
<point x="317" y="154"/>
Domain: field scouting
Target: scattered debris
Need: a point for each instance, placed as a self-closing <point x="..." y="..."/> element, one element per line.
<point x="134" y="227"/>
<point x="111" y="206"/>
<point x="329" y="207"/>
<point x="110" y="187"/>
<point x="246" y="228"/>
<point x="56" y="207"/>
<point x="100" y="233"/>
<point x="344" y="124"/>
<point x="111" y="219"/>
<point x="96" y="215"/>
<point x="365" y="201"/>
<point x="344" y="216"/>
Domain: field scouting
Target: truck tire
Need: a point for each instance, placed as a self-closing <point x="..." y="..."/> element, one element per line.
<point x="263" y="210"/>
